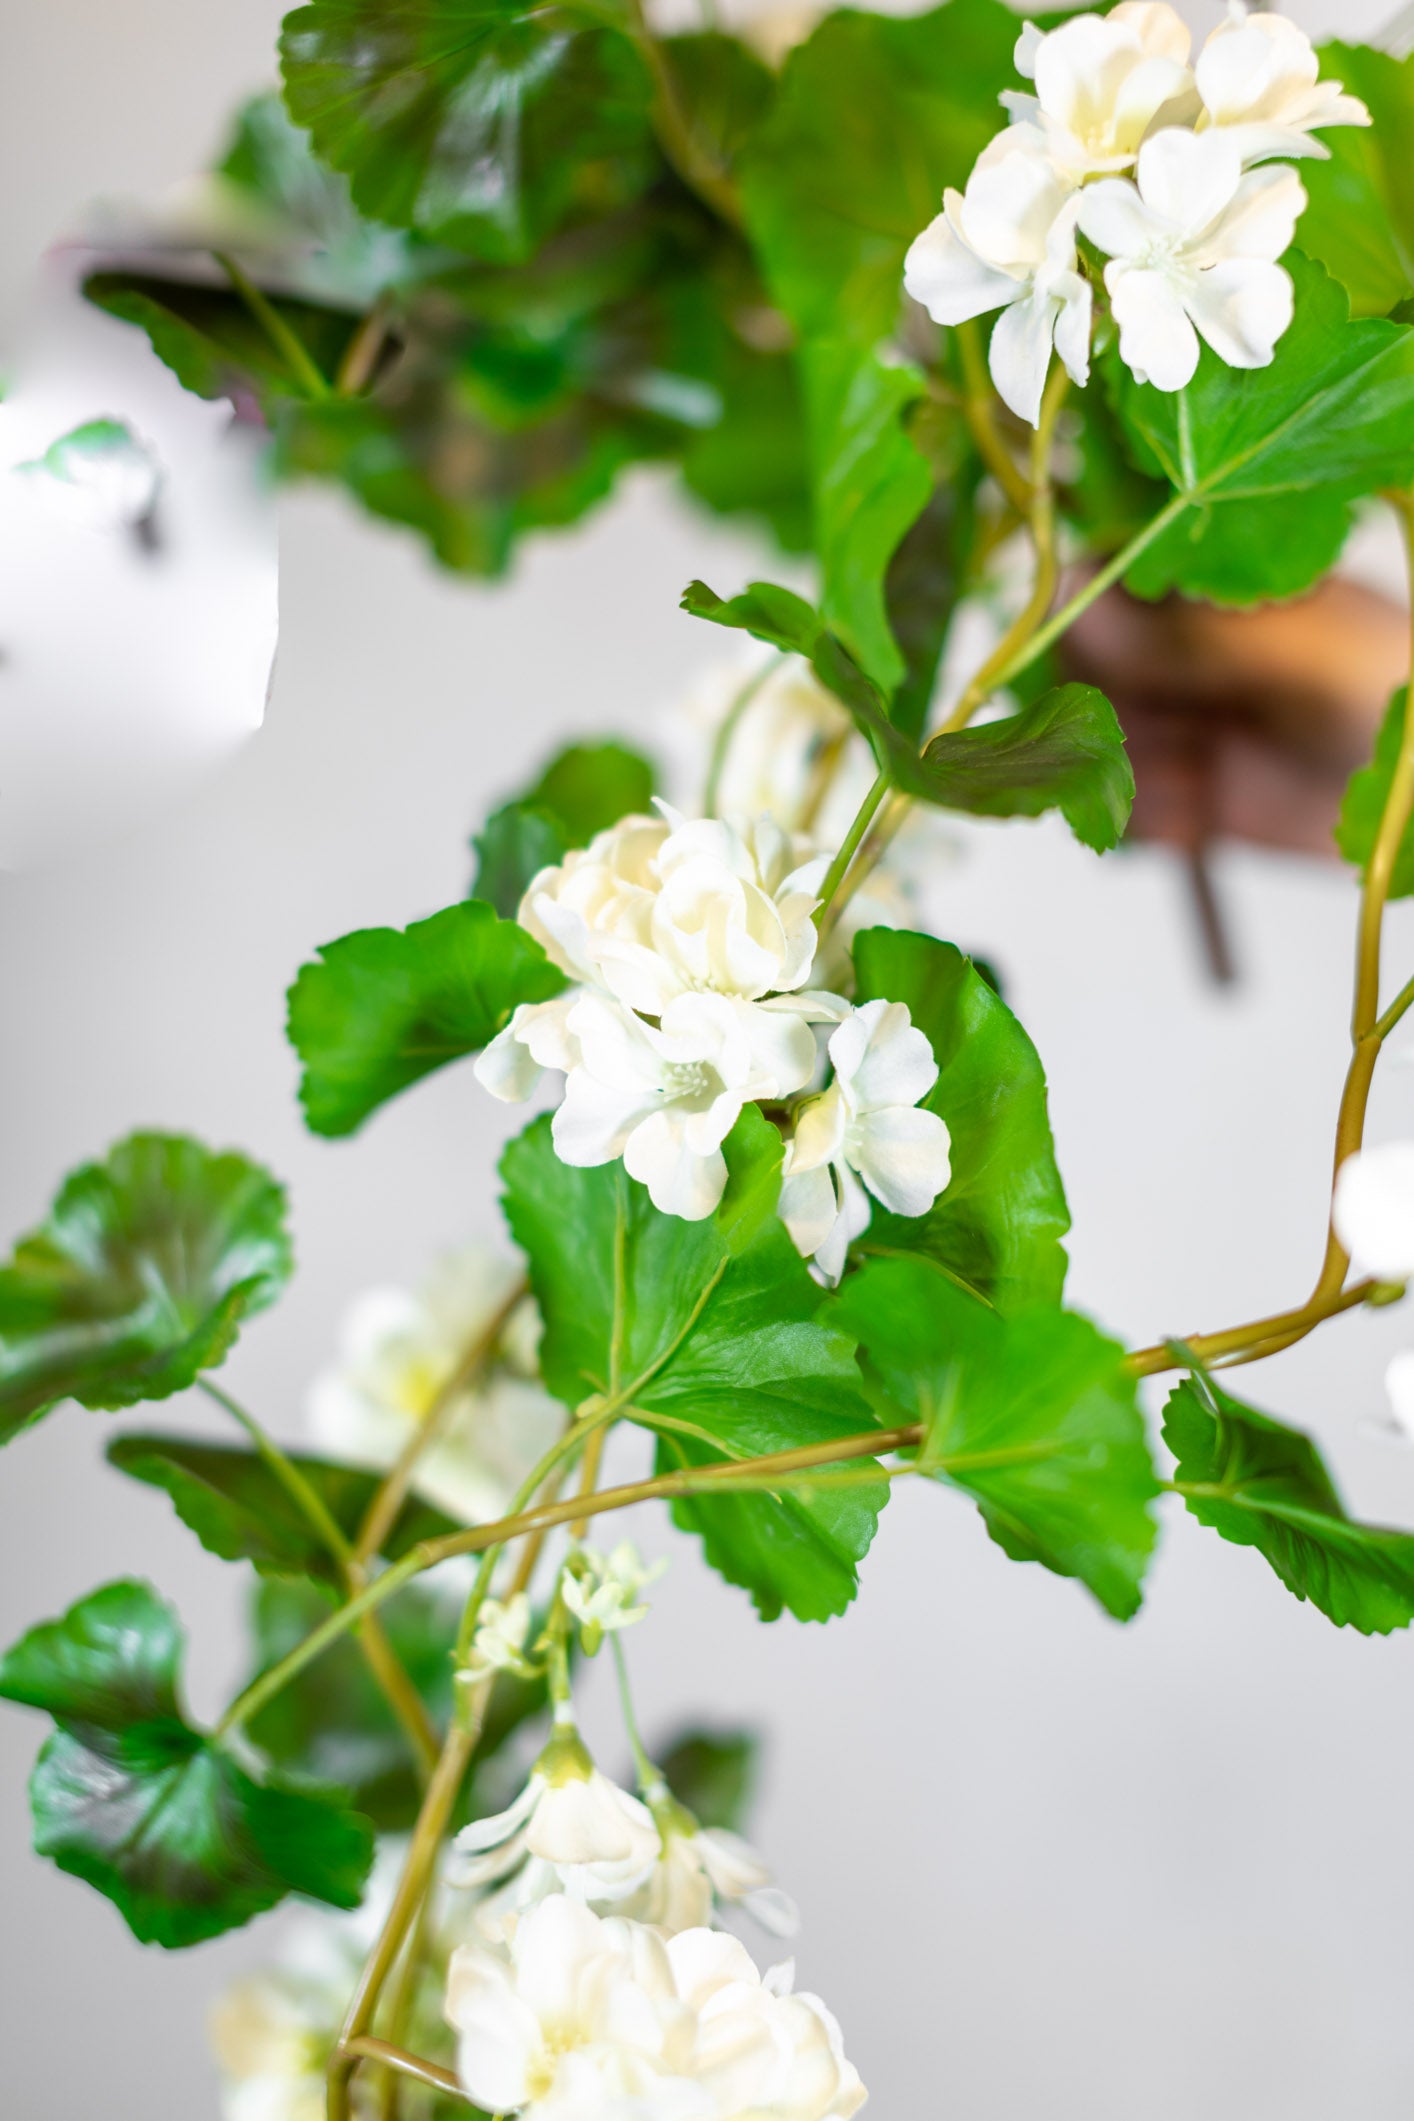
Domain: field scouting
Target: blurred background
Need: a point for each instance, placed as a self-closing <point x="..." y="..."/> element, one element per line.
<point x="1047" y="1865"/>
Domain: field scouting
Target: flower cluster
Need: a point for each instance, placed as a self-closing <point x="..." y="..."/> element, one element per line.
<point x="399" y="1366"/>
<point x="692" y="945"/>
<point x="586" y="2018"/>
<point x="1192" y="238"/>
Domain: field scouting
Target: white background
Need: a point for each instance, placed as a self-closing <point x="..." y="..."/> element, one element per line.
<point x="1049" y="1866"/>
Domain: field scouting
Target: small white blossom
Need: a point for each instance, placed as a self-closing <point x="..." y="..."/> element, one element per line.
<point x="792" y="754"/>
<point x="1193" y="251"/>
<point x="1257" y="76"/>
<point x="1103" y="82"/>
<point x="570" y="1830"/>
<point x="700" y="1866"/>
<point x="593" y="2019"/>
<point x="1008" y="243"/>
<point x="499" y="1642"/>
<point x="1373" y="1210"/>
<point x="866" y="1123"/>
<point x="605" y="1591"/>
<point x="665" y="1098"/>
<point x="398" y="1351"/>
<point x="658" y="907"/>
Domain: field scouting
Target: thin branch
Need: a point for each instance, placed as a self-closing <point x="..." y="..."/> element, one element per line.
<point x="282" y="335"/>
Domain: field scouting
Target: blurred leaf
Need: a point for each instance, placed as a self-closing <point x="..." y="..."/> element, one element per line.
<point x="1359" y="222"/>
<point x="926" y="575"/>
<point x="239" y="1510"/>
<point x="1042" y="1395"/>
<point x="717" y="1325"/>
<point x="725" y="90"/>
<point x="139" y="1277"/>
<point x="385" y="1006"/>
<point x="212" y="343"/>
<point x="1259" y="1484"/>
<point x="127" y="1796"/>
<point x="585" y="789"/>
<point x="997" y="1226"/>
<point x="484" y="123"/>
<point x="333" y="1722"/>
<point x="714" y="1774"/>
<point x="1364" y="804"/>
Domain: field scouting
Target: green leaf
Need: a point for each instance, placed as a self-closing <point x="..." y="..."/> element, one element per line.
<point x="332" y="1721"/>
<point x="997" y="1227"/>
<point x="926" y="574"/>
<point x="1064" y="753"/>
<point x="1365" y="797"/>
<point x="1359" y="223"/>
<point x="129" y="1797"/>
<point x="1033" y="1416"/>
<point x="212" y="343"/>
<point x="713" y="1773"/>
<point x="1259" y="1484"/>
<point x="483" y="123"/>
<point x="874" y="117"/>
<point x="238" y="1509"/>
<point x="385" y="1006"/>
<point x="1247" y="552"/>
<point x="1332" y="418"/>
<point x="139" y="1277"/>
<point x="585" y="789"/>
<point x="712" y="1324"/>
<point x="724" y="89"/>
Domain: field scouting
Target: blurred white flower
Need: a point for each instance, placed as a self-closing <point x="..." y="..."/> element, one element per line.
<point x="1257" y="76"/>
<point x="270" y="2051"/>
<point x="1008" y="243"/>
<point x="605" y="1591"/>
<point x="659" y="907"/>
<point x="1373" y="1210"/>
<point x="866" y="1125"/>
<point x="594" y="2019"/>
<point x="1103" y="82"/>
<point x="1195" y="245"/>
<point x="792" y="752"/>
<point x="570" y="1830"/>
<point x="665" y="1098"/>
<point x="399" y="1352"/>
<point x="498" y="1644"/>
<point x="99" y="474"/>
<point x="700" y="1866"/>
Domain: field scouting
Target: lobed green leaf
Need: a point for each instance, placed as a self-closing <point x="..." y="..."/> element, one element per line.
<point x="384" y="1007"/>
<point x="1359" y="222"/>
<point x="139" y="1277"/>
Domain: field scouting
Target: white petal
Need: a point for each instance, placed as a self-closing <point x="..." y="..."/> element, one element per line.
<point x="1013" y="198"/>
<point x="490" y="1833"/>
<point x="808" y="1208"/>
<point x="1242" y="307"/>
<point x="1157" y="343"/>
<point x="1024" y="56"/>
<point x="1188" y="178"/>
<point x="1261" y="220"/>
<point x="893" y="1064"/>
<point x="1020" y="355"/>
<point x="1115" y="218"/>
<point x="595" y="1121"/>
<point x="951" y="281"/>
<point x="1161" y="29"/>
<point x="781" y="1046"/>
<point x="1073" y="325"/>
<point x="616" y="1047"/>
<point x="1399" y="1383"/>
<point x="679" y="1182"/>
<point x="1373" y="1210"/>
<point x="499" y="2033"/>
<point x="819" y="1130"/>
<point x="507" y="1068"/>
<point x="902" y="1156"/>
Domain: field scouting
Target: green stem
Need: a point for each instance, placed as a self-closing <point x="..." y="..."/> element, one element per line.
<point x="1395" y="1011"/>
<point x="1283" y="1327"/>
<point x="648" y="1775"/>
<point x="1112" y="571"/>
<point x="305" y="1497"/>
<point x="699" y="169"/>
<point x="281" y="334"/>
<point x="834" y="875"/>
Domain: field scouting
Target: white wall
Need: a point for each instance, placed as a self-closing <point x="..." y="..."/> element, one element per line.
<point x="1048" y="1865"/>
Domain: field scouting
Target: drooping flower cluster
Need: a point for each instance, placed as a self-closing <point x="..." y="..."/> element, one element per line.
<point x="692" y="945"/>
<point x="1192" y="237"/>
<point x="398" y="1367"/>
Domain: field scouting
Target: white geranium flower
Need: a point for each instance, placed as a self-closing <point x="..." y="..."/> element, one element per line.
<point x="666" y="1098"/>
<point x="659" y="907"/>
<point x="1373" y="1210"/>
<point x="573" y="1829"/>
<point x="1257" y="76"/>
<point x="499" y="1642"/>
<point x="1008" y="243"/>
<point x="594" y="2019"/>
<point x="605" y="1591"/>
<point x="1193" y="252"/>
<point x="270" y="2052"/>
<point x="865" y="1123"/>
<point x="1103" y="82"/>
<point x="400" y="1348"/>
